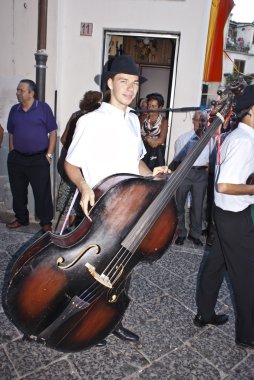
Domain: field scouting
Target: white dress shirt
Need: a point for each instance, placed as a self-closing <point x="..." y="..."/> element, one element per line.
<point x="106" y="141"/>
<point x="237" y="163"/>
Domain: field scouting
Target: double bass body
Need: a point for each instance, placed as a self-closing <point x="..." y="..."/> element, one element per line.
<point x="68" y="291"/>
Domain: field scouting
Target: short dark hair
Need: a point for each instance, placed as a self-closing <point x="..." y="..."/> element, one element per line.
<point x="156" y="96"/>
<point x="90" y="101"/>
<point x="31" y="85"/>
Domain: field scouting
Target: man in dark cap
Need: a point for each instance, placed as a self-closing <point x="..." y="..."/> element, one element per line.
<point x="108" y="141"/>
<point x="233" y="247"/>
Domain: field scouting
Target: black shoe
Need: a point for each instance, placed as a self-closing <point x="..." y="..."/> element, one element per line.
<point x="216" y="320"/>
<point x="196" y="241"/>
<point x="46" y="227"/>
<point x="244" y="343"/>
<point x="124" y="334"/>
<point x="102" y="343"/>
<point x="180" y="240"/>
<point x="16" y="224"/>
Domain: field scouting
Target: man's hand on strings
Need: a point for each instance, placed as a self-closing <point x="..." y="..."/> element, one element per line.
<point x="161" y="170"/>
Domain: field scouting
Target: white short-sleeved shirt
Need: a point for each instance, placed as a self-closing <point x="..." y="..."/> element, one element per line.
<point x="237" y="163"/>
<point x="106" y="141"/>
<point x="202" y="159"/>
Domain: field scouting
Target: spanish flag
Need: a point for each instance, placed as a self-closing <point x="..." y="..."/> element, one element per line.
<point x="220" y="10"/>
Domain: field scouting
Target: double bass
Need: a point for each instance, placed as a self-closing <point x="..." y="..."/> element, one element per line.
<point x="67" y="292"/>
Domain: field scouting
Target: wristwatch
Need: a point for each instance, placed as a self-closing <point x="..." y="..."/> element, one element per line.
<point x="50" y="156"/>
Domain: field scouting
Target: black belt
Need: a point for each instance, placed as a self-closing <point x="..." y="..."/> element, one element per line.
<point x="199" y="167"/>
<point x="30" y="154"/>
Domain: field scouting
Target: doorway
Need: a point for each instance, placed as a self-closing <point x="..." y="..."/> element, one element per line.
<point x="156" y="54"/>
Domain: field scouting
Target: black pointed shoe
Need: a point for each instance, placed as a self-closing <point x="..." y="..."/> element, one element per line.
<point x="244" y="343"/>
<point x="180" y="240"/>
<point x="216" y="320"/>
<point x="124" y="334"/>
<point x="196" y="241"/>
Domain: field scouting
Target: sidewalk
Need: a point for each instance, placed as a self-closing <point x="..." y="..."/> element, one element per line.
<point x="161" y="312"/>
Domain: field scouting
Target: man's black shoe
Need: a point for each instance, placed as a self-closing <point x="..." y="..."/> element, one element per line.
<point x="244" y="344"/>
<point x="102" y="343"/>
<point x="124" y="334"/>
<point x="216" y="320"/>
<point x="16" y="224"/>
<point x="196" y="241"/>
<point x="180" y="240"/>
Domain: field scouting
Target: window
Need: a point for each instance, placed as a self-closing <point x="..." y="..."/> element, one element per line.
<point x="240" y="65"/>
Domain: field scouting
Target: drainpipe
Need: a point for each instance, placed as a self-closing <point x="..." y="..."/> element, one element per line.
<point x="40" y="55"/>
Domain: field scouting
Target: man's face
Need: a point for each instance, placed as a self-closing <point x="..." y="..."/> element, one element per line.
<point x="124" y="88"/>
<point x="200" y="121"/>
<point x="23" y="93"/>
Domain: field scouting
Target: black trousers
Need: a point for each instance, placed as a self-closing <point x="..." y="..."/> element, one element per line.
<point x="232" y="251"/>
<point x="34" y="170"/>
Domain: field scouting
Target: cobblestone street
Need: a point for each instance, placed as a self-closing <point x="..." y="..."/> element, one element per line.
<point x="161" y="312"/>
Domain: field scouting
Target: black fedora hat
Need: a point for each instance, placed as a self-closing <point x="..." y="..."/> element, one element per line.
<point x="245" y="100"/>
<point x="123" y="64"/>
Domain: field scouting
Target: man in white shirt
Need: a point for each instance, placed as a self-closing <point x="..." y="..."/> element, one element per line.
<point x="195" y="182"/>
<point x="108" y="141"/>
<point x="233" y="247"/>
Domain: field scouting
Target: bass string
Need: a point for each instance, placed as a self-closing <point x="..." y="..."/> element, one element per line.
<point x="96" y="292"/>
<point x="96" y="288"/>
<point x="112" y="272"/>
<point x="74" y="324"/>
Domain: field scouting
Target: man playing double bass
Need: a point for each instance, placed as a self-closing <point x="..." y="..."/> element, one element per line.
<point x="108" y="141"/>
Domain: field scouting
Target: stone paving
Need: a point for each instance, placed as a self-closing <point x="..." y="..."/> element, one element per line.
<point x="161" y="312"/>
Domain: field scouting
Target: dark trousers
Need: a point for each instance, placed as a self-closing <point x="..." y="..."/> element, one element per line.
<point x="232" y="251"/>
<point x="196" y="183"/>
<point x="36" y="171"/>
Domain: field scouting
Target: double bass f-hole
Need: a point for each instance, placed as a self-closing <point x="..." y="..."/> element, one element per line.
<point x="61" y="260"/>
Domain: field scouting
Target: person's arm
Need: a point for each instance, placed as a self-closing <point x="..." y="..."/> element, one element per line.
<point x="144" y="169"/>
<point x="52" y="144"/>
<point x="87" y="194"/>
<point x="235" y="189"/>
<point x="11" y="146"/>
<point x="65" y="134"/>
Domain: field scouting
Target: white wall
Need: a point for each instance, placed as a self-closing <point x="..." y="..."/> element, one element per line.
<point x="18" y="30"/>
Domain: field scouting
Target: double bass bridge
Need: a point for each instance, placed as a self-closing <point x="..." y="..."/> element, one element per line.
<point x="101" y="278"/>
